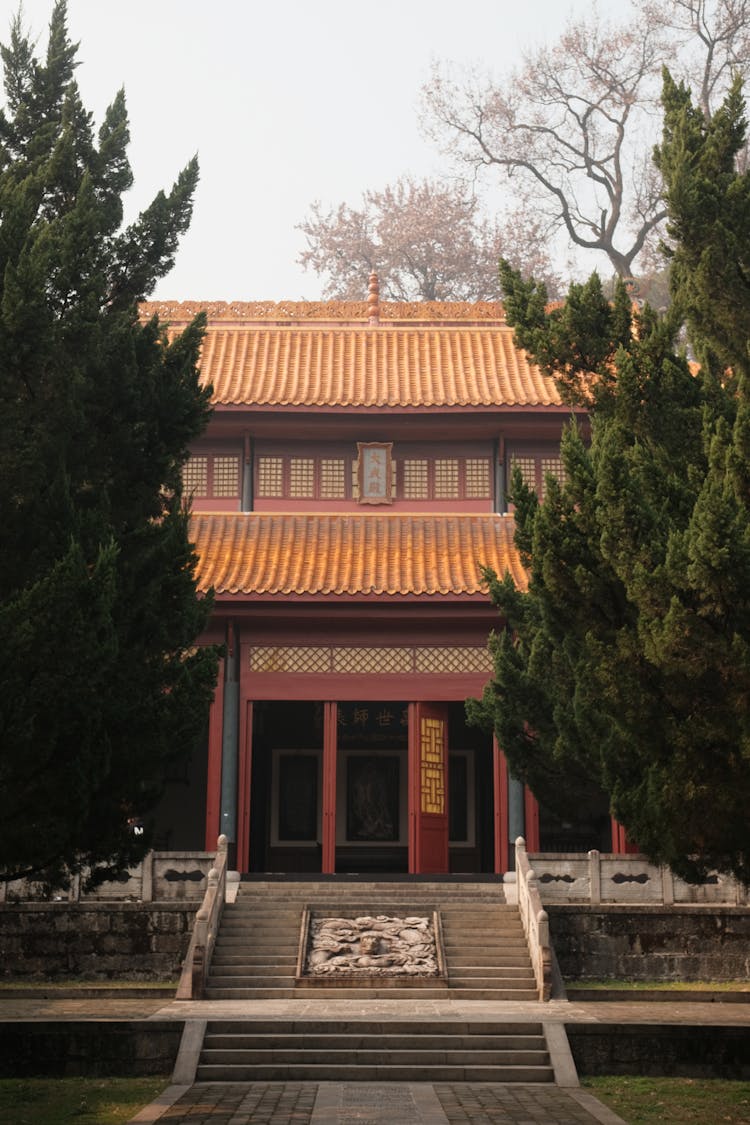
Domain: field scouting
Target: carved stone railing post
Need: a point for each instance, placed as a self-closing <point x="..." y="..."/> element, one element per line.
<point x="197" y="963"/>
<point x="667" y="886"/>
<point x="595" y="876"/>
<point x="535" y="921"/>
<point x="147" y="877"/>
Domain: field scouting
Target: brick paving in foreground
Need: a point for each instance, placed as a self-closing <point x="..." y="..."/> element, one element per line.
<point x="502" y="1105"/>
<point x="350" y="1103"/>
<point x="262" y="1103"/>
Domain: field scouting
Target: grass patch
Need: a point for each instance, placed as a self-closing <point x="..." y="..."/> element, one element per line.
<point x="642" y="1101"/>
<point x="75" y="1101"/>
<point x="662" y="985"/>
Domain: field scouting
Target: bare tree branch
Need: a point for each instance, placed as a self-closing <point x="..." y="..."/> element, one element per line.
<point x="574" y="127"/>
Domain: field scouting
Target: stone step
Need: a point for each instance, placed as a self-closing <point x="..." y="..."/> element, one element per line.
<point x="375" y="993"/>
<point x="367" y="887"/>
<point x="356" y="1040"/>
<point x="261" y="917"/>
<point x="326" y="1072"/>
<point x="307" y="1026"/>
<point x="488" y="951"/>
<point x="485" y="949"/>
<point x="283" y="944"/>
<point x="242" y="980"/>
<point x="222" y="971"/>
<point x="480" y="935"/>
<point x="369" y="1056"/>
<point x="254" y="960"/>
<point x="486" y="984"/>
<point x="470" y="972"/>
<point x="511" y="958"/>
<point x="259" y="931"/>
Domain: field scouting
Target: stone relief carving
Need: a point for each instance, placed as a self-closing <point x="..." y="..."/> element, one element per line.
<point x="372" y="946"/>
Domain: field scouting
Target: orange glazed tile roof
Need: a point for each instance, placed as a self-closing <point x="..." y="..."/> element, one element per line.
<point x="329" y="366"/>
<point x="258" y="553"/>
<point x="326" y="354"/>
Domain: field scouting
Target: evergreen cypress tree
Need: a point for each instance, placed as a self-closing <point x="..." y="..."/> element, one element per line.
<point x="628" y="660"/>
<point x="102" y="689"/>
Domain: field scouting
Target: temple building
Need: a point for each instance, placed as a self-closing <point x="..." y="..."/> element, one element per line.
<point x="348" y="492"/>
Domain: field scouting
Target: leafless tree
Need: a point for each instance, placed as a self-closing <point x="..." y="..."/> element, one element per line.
<point x="712" y="38"/>
<point x="574" y="127"/>
<point x="427" y="240"/>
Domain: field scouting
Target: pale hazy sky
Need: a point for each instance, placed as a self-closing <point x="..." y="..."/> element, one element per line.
<point x="284" y="103"/>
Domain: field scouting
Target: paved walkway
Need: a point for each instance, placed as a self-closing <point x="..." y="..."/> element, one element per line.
<point x="331" y="1103"/>
<point x="392" y="1103"/>
<point x="50" y="1007"/>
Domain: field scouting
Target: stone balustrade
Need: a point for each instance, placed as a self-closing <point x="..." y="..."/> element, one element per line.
<point x="599" y="877"/>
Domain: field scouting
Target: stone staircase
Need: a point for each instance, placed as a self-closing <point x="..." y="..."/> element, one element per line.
<point x="256" y="949"/>
<point x="373" y="1050"/>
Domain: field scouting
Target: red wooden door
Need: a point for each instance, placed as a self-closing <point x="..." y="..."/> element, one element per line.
<point x="428" y="789"/>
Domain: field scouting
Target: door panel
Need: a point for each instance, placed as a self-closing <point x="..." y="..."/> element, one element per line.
<point x="428" y="789"/>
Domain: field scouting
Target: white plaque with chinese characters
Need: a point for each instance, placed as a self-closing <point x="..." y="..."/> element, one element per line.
<point x="374" y="472"/>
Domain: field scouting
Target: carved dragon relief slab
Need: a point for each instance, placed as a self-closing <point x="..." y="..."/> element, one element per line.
<point x="380" y="945"/>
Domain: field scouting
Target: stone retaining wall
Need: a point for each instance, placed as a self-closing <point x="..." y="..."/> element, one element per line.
<point x="661" y="1050"/>
<point x="651" y="943"/>
<point x="96" y="941"/>
<point x="136" y="1048"/>
<point x="149" y="1047"/>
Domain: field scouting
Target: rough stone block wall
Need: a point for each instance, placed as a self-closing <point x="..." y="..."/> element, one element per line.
<point x="669" y="943"/>
<point x="650" y="1049"/>
<point x="94" y="941"/>
<point x="96" y="1049"/>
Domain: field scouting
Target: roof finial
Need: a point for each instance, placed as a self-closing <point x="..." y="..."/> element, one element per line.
<point x="373" y="300"/>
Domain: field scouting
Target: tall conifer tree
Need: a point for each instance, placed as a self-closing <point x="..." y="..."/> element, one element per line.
<point x="101" y="688"/>
<point x="628" y="660"/>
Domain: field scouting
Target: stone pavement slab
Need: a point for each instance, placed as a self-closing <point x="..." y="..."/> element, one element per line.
<point x="362" y="1103"/>
<point x="476" y="1011"/>
<point x="563" y="1011"/>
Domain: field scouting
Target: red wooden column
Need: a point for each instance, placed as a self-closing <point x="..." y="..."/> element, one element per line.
<point x="213" y="773"/>
<point x="531" y="820"/>
<point x="244" y="775"/>
<point x="428" y="789"/>
<point x="621" y="845"/>
<point x="330" y="740"/>
<point x="500" y="816"/>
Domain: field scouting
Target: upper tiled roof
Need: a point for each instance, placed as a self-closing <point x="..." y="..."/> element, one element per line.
<point x="381" y="366"/>
<point x="425" y="355"/>
<point x="257" y="553"/>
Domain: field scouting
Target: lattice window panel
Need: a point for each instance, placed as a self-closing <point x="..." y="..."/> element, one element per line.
<point x="553" y="466"/>
<point x="270" y="476"/>
<point x="527" y="465"/>
<point x="226" y="480"/>
<point x="454" y="660"/>
<point x="416" y="483"/>
<point x="307" y="659"/>
<point x="477" y="478"/>
<point x="195" y="476"/>
<point x="332" y="478"/>
<point x="301" y="477"/>
<point x="368" y="661"/>
<point x="432" y="766"/>
<point x="446" y="479"/>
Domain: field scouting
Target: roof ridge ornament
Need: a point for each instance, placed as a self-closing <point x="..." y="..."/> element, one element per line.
<point x="373" y="300"/>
